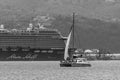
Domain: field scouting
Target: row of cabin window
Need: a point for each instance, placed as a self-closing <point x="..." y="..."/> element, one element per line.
<point x="31" y="40"/>
<point x="42" y="51"/>
<point x="29" y="32"/>
<point x="29" y="37"/>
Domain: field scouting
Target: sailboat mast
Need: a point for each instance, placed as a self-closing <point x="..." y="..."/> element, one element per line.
<point x="73" y="28"/>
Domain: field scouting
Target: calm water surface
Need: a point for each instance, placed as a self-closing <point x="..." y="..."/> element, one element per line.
<point x="50" y="70"/>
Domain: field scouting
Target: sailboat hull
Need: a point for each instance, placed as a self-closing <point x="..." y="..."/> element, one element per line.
<point x="73" y="64"/>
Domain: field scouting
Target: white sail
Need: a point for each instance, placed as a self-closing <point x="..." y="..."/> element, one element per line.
<point x="67" y="46"/>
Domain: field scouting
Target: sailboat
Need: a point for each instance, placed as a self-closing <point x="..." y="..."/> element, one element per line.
<point x="72" y="61"/>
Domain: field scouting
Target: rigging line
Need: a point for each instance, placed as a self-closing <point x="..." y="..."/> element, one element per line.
<point x="78" y="40"/>
<point x="72" y="29"/>
<point x="75" y="37"/>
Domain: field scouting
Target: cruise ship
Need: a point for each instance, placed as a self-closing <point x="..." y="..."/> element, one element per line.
<point x="35" y="43"/>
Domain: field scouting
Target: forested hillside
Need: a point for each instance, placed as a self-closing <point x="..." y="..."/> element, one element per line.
<point x="91" y="33"/>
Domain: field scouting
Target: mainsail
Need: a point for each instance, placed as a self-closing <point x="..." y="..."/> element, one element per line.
<point x="66" y="55"/>
<point x="67" y="46"/>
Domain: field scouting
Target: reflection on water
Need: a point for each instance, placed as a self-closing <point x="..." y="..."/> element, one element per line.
<point x="50" y="70"/>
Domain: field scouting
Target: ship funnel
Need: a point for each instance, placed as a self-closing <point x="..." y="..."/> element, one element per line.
<point x="1" y="26"/>
<point x="30" y="27"/>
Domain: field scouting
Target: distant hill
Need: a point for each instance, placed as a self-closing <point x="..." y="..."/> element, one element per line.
<point x="89" y="32"/>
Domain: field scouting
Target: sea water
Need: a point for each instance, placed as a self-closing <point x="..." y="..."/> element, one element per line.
<point x="50" y="70"/>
